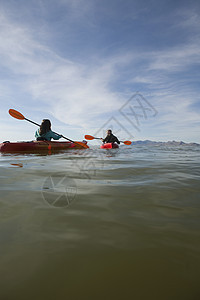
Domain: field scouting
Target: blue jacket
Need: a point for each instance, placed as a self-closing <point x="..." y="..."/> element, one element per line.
<point x="48" y="136"/>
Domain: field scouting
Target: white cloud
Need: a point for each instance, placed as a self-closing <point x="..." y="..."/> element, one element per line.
<point x="70" y="90"/>
<point x="176" y="59"/>
<point x="188" y="19"/>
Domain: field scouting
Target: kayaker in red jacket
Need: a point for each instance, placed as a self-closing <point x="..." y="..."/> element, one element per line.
<point x="110" y="138"/>
<point x="44" y="133"/>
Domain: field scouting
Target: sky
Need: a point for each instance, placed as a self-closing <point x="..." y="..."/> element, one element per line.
<point x="132" y="66"/>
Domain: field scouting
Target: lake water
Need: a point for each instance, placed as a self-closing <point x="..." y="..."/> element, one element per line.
<point x="101" y="224"/>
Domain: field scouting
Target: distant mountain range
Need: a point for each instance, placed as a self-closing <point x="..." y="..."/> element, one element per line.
<point x="169" y="143"/>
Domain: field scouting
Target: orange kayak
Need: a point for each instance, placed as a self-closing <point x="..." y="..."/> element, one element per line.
<point x="109" y="146"/>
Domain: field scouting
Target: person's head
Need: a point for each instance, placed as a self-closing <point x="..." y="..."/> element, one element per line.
<point x="45" y="126"/>
<point x="109" y="132"/>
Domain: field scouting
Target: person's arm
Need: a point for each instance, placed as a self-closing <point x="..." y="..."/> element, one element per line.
<point x="106" y="139"/>
<point x="116" y="140"/>
<point x="55" y="136"/>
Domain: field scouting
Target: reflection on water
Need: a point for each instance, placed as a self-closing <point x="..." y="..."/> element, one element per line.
<point x="99" y="224"/>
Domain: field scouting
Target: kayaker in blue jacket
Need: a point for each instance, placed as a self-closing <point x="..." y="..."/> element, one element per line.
<point x="44" y="133"/>
<point x="110" y="138"/>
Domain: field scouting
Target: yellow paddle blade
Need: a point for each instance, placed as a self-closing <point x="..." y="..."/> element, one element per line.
<point x="89" y="137"/>
<point x="15" y="114"/>
<point x="127" y="142"/>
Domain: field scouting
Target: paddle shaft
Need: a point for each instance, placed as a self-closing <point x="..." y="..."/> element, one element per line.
<point x="90" y="137"/>
<point x="100" y="139"/>
<point x="32" y="122"/>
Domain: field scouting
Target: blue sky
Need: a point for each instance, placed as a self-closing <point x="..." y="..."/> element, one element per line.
<point x="133" y="66"/>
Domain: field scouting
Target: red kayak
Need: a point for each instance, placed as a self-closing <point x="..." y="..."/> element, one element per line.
<point x="39" y="146"/>
<point x="109" y="146"/>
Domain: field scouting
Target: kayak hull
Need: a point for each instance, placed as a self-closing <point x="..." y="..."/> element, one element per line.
<point x="109" y="146"/>
<point x="38" y="146"/>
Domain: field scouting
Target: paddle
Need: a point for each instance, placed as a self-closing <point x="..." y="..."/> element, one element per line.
<point x="90" y="137"/>
<point x="17" y="115"/>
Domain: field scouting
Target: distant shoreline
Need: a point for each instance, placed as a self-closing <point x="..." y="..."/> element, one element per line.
<point x="169" y="143"/>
